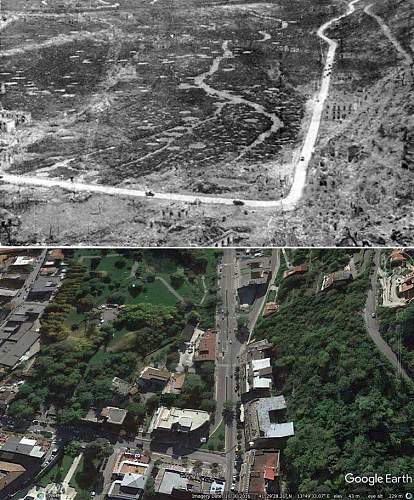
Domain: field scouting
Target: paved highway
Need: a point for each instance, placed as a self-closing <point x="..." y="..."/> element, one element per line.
<point x="228" y="351"/>
<point x="299" y="180"/>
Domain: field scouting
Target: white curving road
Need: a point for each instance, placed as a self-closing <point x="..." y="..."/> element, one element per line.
<point x="388" y="33"/>
<point x="299" y="180"/>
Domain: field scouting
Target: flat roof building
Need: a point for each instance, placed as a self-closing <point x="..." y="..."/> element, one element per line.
<point x="264" y="423"/>
<point x="24" y="451"/>
<point x="178" y="420"/>
<point x="43" y="288"/>
<point x="173" y="482"/>
<point x="108" y="415"/>
<point x="23" y="260"/>
<point x="130" y="487"/>
<point x="255" y="371"/>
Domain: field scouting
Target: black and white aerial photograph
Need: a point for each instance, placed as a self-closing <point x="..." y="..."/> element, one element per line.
<point x="206" y="122"/>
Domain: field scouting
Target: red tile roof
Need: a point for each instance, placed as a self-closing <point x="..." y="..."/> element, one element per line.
<point x="270" y="308"/>
<point x="269" y="473"/>
<point x="303" y="268"/>
<point x="397" y="255"/>
<point x="57" y="254"/>
<point x="265" y="468"/>
<point x="206" y="350"/>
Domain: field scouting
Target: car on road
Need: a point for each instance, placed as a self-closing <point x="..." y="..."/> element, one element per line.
<point x="373" y="315"/>
<point x="149" y="193"/>
<point x="302" y="158"/>
<point x="238" y="202"/>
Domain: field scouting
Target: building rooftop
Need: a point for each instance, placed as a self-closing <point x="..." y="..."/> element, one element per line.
<point x="177" y="419"/>
<point x="302" y="268"/>
<point x="45" y="284"/>
<point x="127" y="462"/>
<point x="263" y="408"/>
<point x="23" y="446"/>
<point x="14" y="276"/>
<point x="270" y="308"/>
<point x="206" y="349"/>
<point x="263" y="467"/>
<point x="12" y="351"/>
<point x="172" y="480"/>
<point x="56" y="254"/>
<point x="397" y="255"/>
<point x="129" y="487"/>
<point x="30" y="308"/>
<point x="120" y="386"/>
<point x="259" y="364"/>
<point x="132" y="480"/>
<point x="263" y="419"/>
<point x="175" y="384"/>
<point x="114" y="415"/>
<point x="151" y="373"/>
<point x="336" y="277"/>
<point x="6" y="292"/>
<point x="217" y="487"/>
<point x="23" y="260"/>
<point x="9" y="472"/>
<point x="259" y="345"/>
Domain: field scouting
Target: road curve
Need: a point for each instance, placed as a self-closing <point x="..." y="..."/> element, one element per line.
<point x="286" y="204"/>
<point x="388" y="33"/>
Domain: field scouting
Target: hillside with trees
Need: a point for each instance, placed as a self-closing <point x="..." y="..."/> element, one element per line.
<point x="351" y="413"/>
<point x="397" y="327"/>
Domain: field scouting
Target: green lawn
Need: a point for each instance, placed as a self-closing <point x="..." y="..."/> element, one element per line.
<point x="155" y="293"/>
<point x="58" y="472"/>
<point x="216" y="440"/>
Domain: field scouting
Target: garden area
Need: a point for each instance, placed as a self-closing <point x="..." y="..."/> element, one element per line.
<point x="80" y="355"/>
